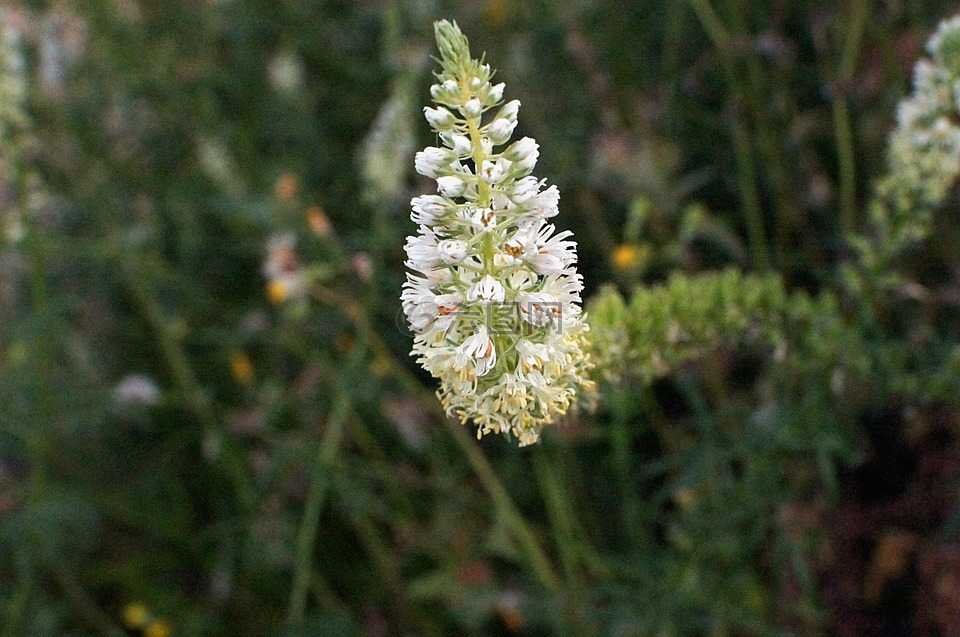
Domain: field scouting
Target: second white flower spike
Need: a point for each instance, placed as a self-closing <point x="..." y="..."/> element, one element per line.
<point x="494" y="294"/>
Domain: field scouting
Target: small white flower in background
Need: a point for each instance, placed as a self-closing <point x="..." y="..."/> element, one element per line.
<point x="137" y="389"/>
<point x="285" y="71"/>
<point x="493" y="296"/>
<point x="924" y="150"/>
<point x="388" y="145"/>
<point x="286" y="277"/>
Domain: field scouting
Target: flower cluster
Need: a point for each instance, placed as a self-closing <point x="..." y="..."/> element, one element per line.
<point x="12" y="76"/>
<point x="924" y="150"/>
<point x="18" y="187"/>
<point x="493" y="296"/>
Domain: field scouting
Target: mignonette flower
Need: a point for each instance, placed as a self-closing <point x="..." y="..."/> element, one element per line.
<point x="493" y="295"/>
<point x="924" y="149"/>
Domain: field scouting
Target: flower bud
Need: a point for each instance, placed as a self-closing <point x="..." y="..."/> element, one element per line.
<point x="451" y="186"/>
<point x="500" y="130"/>
<point x="460" y="144"/>
<point x="446" y="93"/>
<point x="440" y="119"/>
<point x="473" y="108"/>
<point x="509" y="111"/>
<point x="522" y="149"/>
<point x="431" y="160"/>
<point x="525" y="166"/>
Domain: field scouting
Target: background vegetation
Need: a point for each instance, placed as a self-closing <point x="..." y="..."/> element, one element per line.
<point x="209" y="424"/>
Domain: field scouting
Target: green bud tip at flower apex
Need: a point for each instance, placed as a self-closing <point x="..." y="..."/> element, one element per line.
<point x="944" y="46"/>
<point x="493" y="294"/>
<point x="454" y="49"/>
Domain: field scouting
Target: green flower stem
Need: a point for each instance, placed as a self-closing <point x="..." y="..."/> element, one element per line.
<point x="38" y="439"/>
<point x="770" y="143"/>
<point x="316" y="494"/>
<point x="85" y="606"/>
<point x="564" y="531"/>
<point x="855" y="29"/>
<point x="561" y="515"/>
<point x="371" y="448"/>
<point x="508" y="511"/>
<point x="747" y="173"/>
<point x="389" y="574"/>
<point x="505" y="506"/>
<point x="746" y="168"/>
<point x="712" y="24"/>
<point x="847" y="164"/>
<point x="487" y="251"/>
<point x="179" y="366"/>
<point x="483" y="190"/>
<point x="620" y="439"/>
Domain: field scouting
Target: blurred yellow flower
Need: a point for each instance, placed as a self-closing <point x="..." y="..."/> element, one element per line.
<point x="685" y="497"/>
<point x="242" y="368"/>
<point x="135" y="615"/>
<point x="277" y="291"/>
<point x="158" y="628"/>
<point x="497" y="11"/>
<point x="380" y="366"/>
<point x="625" y="256"/>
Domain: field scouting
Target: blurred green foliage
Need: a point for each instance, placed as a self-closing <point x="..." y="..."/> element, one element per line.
<point x="248" y="451"/>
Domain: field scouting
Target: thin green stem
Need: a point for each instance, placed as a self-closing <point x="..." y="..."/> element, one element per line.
<point x="389" y="574"/>
<point x="85" y="606"/>
<point x="183" y="376"/>
<point x="769" y="136"/>
<point x="564" y="531"/>
<point x="712" y="24"/>
<point x="747" y="174"/>
<point x="855" y="29"/>
<point x="670" y="62"/>
<point x="622" y="460"/>
<point x="846" y="163"/>
<point x="319" y="480"/>
<point x="371" y="448"/>
<point x="38" y="439"/>
<point x="561" y="517"/>
<point x="487" y="251"/>
<point x="740" y="132"/>
<point x="843" y="130"/>
<point x="505" y="506"/>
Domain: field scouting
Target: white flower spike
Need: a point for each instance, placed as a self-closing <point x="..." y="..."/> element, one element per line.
<point x="494" y="295"/>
